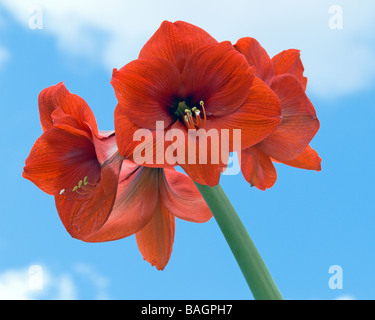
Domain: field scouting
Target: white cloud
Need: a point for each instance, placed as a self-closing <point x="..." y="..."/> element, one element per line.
<point x="35" y="282"/>
<point x="38" y="282"/>
<point x="336" y="61"/>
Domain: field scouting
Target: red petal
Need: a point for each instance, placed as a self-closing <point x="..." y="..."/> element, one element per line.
<point x="59" y="160"/>
<point x="176" y="42"/>
<point x="257" y="168"/>
<point x="299" y="124"/>
<point x="203" y="159"/>
<point x="182" y="198"/>
<point x="206" y="174"/>
<point x="58" y="96"/>
<point x="136" y="200"/>
<point x="133" y="140"/>
<point x="105" y="147"/>
<point x="289" y="62"/>
<point x="86" y="214"/>
<point x="257" y="57"/>
<point x="146" y="89"/>
<point x="258" y="117"/>
<point x="309" y="160"/>
<point x="218" y="75"/>
<point x="155" y="240"/>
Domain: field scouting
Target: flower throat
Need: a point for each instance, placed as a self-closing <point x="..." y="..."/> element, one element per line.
<point x="193" y="118"/>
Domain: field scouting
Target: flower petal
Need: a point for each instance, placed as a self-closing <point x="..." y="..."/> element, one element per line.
<point x="84" y="215"/>
<point x="146" y="89"/>
<point x="258" y="117"/>
<point x="206" y="174"/>
<point x="134" y="142"/>
<point x="309" y="160"/>
<point x="202" y="157"/>
<point x="58" y="96"/>
<point x="299" y="124"/>
<point x="176" y="42"/>
<point x="155" y="240"/>
<point x="59" y="160"/>
<point x="257" y="168"/>
<point x="256" y="56"/>
<point x="136" y="201"/>
<point x="289" y="62"/>
<point x="182" y="198"/>
<point x="218" y="75"/>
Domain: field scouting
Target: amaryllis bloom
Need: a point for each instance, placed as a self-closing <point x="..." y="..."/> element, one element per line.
<point x="289" y="143"/>
<point x="99" y="195"/>
<point x="187" y="82"/>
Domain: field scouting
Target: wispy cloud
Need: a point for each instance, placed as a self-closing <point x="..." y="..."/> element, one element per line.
<point x="4" y="56"/>
<point x="100" y="283"/>
<point x="337" y="61"/>
<point x="346" y="297"/>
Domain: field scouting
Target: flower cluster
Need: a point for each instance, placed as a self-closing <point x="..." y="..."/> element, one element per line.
<point x="186" y="95"/>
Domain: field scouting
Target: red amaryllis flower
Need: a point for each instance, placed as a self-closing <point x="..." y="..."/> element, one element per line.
<point x="289" y="143"/>
<point x="188" y="81"/>
<point x="99" y="195"/>
<point x="73" y="161"/>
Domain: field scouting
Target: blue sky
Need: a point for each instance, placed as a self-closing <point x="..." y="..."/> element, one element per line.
<point x="306" y="223"/>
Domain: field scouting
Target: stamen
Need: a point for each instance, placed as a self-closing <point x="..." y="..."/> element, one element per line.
<point x="204" y="112"/>
<point x="193" y="118"/>
<point x="82" y="188"/>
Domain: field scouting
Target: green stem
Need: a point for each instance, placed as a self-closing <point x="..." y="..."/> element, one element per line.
<point x="248" y="258"/>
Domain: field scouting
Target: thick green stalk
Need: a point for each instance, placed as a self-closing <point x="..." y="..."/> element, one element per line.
<point x="248" y="258"/>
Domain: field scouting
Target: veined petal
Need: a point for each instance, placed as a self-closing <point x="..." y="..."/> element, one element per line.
<point x="146" y="89"/>
<point x="206" y="174"/>
<point x="257" y="168"/>
<point x="105" y="147"/>
<point x="59" y="160"/>
<point x="85" y="213"/>
<point x="218" y="75"/>
<point x="309" y="160"/>
<point x="182" y="198"/>
<point x="136" y="202"/>
<point x="155" y="240"/>
<point x="176" y="42"/>
<point x="58" y="96"/>
<point x="145" y="147"/>
<point x="257" y="56"/>
<point x="289" y="62"/>
<point x="70" y="124"/>
<point x="203" y="157"/>
<point x="299" y="124"/>
<point x="257" y="118"/>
